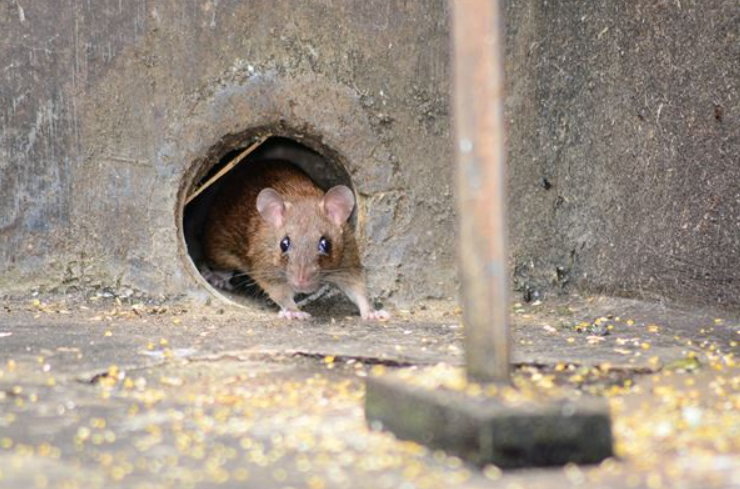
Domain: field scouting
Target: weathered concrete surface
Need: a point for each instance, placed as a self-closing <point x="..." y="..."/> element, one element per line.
<point x="105" y="108"/>
<point x="95" y="394"/>
<point x="624" y="147"/>
<point x="640" y="337"/>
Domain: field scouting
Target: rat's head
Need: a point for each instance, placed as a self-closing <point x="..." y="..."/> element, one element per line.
<point x="307" y="238"/>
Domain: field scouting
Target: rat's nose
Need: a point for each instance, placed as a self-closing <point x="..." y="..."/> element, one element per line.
<point x="302" y="276"/>
<point x="303" y="279"/>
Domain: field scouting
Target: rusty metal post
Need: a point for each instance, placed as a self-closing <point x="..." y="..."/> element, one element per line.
<point x="481" y="184"/>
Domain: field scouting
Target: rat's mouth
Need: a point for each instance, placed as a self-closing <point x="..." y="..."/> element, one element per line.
<point x="305" y="288"/>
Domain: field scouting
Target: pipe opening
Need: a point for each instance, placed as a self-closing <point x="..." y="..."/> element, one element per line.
<point x="217" y="170"/>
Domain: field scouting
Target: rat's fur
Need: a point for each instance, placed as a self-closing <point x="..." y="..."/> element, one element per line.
<point x="239" y="238"/>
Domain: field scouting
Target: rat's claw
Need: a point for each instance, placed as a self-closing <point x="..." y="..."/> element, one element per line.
<point x="299" y="315"/>
<point x="379" y="315"/>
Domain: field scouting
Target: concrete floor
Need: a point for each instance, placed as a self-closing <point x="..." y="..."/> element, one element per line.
<point x="100" y="392"/>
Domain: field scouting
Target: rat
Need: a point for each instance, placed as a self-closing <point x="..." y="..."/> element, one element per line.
<point x="272" y="223"/>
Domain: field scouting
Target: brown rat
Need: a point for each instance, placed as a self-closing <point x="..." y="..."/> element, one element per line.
<point x="271" y="222"/>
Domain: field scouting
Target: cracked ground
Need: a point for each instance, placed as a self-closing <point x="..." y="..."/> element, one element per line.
<point x="100" y="392"/>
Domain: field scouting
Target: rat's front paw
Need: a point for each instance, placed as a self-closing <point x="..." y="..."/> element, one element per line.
<point x="219" y="279"/>
<point x="299" y="315"/>
<point x="379" y="315"/>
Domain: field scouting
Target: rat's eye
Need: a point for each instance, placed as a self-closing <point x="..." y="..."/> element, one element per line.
<point x="285" y="244"/>
<point x="324" y="246"/>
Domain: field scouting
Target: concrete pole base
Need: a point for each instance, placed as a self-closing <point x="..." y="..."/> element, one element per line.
<point x="483" y="430"/>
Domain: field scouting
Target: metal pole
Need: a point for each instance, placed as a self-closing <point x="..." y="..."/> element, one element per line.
<point x="481" y="183"/>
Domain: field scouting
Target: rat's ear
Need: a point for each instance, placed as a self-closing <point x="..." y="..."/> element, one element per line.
<point x="338" y="204"/>
<point x="271" y="206"/>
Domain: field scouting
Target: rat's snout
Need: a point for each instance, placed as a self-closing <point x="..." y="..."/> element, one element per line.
<point x="304" y="280"/>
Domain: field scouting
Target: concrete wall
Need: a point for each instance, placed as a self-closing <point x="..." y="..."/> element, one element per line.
<point x="624" y="136"/>
<point x="625" y="146"/>
<point x="106" y="106"/>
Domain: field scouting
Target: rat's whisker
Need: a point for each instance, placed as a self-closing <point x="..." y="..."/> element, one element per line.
<point x="261" y="274"/>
